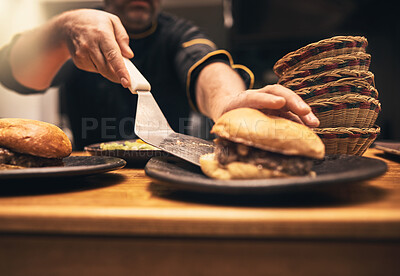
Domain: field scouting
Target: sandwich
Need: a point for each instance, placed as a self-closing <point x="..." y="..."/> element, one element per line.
<point x="253" y="145"/>
<point x="31" y="143"/>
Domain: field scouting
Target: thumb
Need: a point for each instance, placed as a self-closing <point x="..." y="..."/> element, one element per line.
<point x="122" y="38"/>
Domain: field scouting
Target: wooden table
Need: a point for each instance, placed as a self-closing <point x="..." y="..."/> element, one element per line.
<point x="120" y="223"/>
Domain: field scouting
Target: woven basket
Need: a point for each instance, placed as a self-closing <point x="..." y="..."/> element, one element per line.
<point x="330" y="76"/>
<point x="330" y="47"/>
<point x="352" y="141"/>
<point x="357" y="61"/>
<point x="351" y="110"/>
<point x="337" y="88"/>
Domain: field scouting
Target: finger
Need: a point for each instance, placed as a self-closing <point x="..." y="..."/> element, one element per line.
<point x="293" y="117"/>
<point x="285" y="114"/>
<point x="80" y="55"/>
<point x="261" y="100"/>
<point x="113" y="57"/>
<point x="102" y="66"/>
<point x="84" y="64"/>
<point x="310" y="120"/>
<point x="87" y="66"/>
<point x="294" y="102"/>
<point x="122" y="38"/>
<point x="251" y="99"/>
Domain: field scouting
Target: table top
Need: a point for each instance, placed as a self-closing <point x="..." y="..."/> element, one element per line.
<point x="126" y="202"/>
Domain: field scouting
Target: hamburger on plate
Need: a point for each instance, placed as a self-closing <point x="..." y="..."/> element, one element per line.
<point x="253" y="145"/>
<point x="31" y="143"/>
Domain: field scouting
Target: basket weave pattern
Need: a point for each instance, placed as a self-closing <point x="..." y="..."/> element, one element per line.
<point x="358" y="61"/>
<point x="340" y="87"/>
<point x="330" y="47"/>
<point x="342" y="140"/>
<point x="333" y="77"/>
<point x="351" y="110"/>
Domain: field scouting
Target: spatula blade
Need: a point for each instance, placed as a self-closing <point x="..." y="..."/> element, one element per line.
<point x="186" y="147"/>
<point x="152" y="127"/>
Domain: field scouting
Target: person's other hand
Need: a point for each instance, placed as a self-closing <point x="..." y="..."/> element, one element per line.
<point x="275" y="100"/>
<point x="97" y="42"/>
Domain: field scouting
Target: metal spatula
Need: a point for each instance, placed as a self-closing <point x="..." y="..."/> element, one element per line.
<point x="152" y="127"/>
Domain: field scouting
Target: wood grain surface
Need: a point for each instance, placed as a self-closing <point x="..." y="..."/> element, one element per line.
<point x="127" y="202"/>
<point x="121" y="223"/>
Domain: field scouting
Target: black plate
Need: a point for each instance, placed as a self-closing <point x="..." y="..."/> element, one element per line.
<point x="334" y="170"/>
<point x="73" y="166"/>
<point x="389" y="147"/>
<point x="137" y="157"/>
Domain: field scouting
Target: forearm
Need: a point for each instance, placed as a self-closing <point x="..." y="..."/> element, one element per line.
<point x="38" y="54"/>
<point x="216" y="85"/>
<point x="220" y="89"/>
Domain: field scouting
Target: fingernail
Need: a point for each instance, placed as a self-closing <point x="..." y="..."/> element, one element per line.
<point x="124" y="82"/>
<point x="131" y="52"/>
<point x="312" y="118"/>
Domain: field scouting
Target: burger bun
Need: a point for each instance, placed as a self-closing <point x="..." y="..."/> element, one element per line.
<point x="235" y="170"/>
<point x="253" y="128"/>
<point x="34" y="137"/>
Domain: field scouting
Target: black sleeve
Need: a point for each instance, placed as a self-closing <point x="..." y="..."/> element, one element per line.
<point x="6" y="76"/>
<point x="194" y="52"/>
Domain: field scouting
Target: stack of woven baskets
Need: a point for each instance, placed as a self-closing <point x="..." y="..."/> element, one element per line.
<point x="332" y="77"/>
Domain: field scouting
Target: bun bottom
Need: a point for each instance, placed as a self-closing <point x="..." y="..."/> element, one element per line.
<point x="235" y="170"/>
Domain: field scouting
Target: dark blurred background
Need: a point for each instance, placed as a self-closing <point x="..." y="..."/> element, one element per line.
<point x="259" y="32"/>
<point x="264" y="31"/>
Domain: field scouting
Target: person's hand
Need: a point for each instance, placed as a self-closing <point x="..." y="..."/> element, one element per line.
<point x="97" y="42"/>
<point x="275" y="100"/>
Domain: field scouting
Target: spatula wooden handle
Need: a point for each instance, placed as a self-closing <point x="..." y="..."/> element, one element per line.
<point x="138" y="81"/>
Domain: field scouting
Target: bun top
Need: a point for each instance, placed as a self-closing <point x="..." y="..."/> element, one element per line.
<point x="34" y="137"/>
<point x="253" y="128"/>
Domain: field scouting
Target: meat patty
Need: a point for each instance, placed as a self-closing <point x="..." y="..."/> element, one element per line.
<point x="25" y="160"/>
<point x="227" y="151"/>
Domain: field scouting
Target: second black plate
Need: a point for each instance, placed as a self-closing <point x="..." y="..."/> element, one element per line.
<point x="334" y="170"/>
<point x="388" y="147"/>
<point x="133" y="157"/>
<point x="73" y="166"/>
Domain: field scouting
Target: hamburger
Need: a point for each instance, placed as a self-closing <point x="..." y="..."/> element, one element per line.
<point x="252" y="145"/>
<point x="31" y="143"/>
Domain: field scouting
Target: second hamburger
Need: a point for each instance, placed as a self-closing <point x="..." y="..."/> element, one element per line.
<point x="28" y="143"/>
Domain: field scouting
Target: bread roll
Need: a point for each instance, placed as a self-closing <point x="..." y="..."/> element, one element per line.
<point x="34" y="137"/>
<point x="253" y="145"/>
<point x="252" y="127"/>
